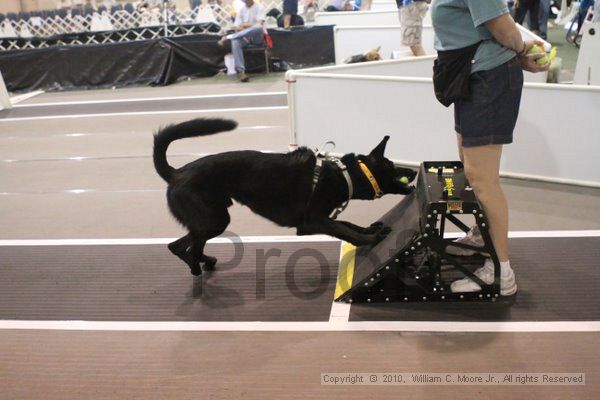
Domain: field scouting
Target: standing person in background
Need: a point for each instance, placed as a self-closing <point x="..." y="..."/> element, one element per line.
<point x="411" y="14"/>
<point x="543" y="15"/>
<point x="290" y="8"/>
<point x="478" y="39"/>
<point x="249" y="32"/>
<point x="63" y="4"/>
<point x="365" y="5"/>
<point x="531" y="6"/>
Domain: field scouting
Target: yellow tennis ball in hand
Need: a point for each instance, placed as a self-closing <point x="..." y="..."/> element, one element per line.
<point x="536" y="49"/>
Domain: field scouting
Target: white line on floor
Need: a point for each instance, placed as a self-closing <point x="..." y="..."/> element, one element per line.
<point x="261" y="239"/>
<point x="148" y="99"/>
<point x="72" y="116"/>
<point x="22" y="97"/>
<point x="149" y="241"/>
<point x="116" y="157"/>
<point x="258" y="326"/>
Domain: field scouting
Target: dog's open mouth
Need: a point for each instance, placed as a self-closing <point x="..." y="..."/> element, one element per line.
<point x="405" y="175"/>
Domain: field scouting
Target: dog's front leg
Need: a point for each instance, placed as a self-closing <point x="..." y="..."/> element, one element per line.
<point x="376" y="227"/>
<point x="342" y="230"/>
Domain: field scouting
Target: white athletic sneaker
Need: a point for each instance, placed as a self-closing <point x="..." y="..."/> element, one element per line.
<point x="508" y="284"/>
<point x="472" y="238"/>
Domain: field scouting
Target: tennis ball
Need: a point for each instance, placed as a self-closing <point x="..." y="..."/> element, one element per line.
<point x="404" y="180"/>
<point x="536" y="49"/>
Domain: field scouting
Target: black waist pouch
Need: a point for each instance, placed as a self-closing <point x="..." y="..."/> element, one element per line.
<point x="451" y="72"/>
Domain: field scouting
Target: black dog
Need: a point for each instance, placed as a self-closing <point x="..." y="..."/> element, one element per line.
<point x="280" y="187"/>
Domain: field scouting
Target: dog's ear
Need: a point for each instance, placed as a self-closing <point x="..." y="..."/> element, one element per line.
<point x="378" y="151"/>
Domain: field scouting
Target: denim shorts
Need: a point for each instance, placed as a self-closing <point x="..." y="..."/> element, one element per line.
<point x="490" y="114"/>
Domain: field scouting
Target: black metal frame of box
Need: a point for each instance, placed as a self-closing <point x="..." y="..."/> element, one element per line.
<point x="412" y="264"/>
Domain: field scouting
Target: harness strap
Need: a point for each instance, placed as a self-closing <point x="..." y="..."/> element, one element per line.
<point x="317" y="175"/>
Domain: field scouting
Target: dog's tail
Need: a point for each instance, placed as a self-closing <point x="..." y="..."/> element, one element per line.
<point x="195" y="127"/>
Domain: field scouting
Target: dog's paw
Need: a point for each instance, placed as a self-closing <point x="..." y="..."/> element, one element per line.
<point x="378" y="227"/>
<point x="209" y="263"/>
<point x="382" y="234"/>
<point x="384" y="230"/>
<point x="374" y="227"/>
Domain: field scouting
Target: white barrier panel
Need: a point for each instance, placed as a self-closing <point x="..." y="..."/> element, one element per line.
<point x="356" y="111"/>
<point x="383" y="5"/>
<point x="362" y="18"/>
<point x="357" y="18"/>
<point x="4" y="98"/>
<point x="352" y="40"/>
<point x="408" y="66"/>
<point x="587" y="71"/>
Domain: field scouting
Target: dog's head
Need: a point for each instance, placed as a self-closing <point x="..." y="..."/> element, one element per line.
<point x="373" y="55"/>
<point x="390" y="178"/>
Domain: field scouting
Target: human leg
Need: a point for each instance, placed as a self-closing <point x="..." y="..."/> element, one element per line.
<point x="287" y="19"/>
<point x="237" y="49"/>
<point x="483" y="123"/>
<point x="460" y="148"/>
<point x="411" y="26"/>
<point x="534" y="15"/>
<point x="482" y="168"/>
<point x="521" y="11"/>
<point x="544" y="13"/>
<point x="250" y="36"/>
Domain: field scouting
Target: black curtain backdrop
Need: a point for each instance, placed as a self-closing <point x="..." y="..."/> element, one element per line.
<point x="152" y="62"/>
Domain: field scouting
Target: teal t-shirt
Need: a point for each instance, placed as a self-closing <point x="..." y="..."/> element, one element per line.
<point x="460" y="23"/>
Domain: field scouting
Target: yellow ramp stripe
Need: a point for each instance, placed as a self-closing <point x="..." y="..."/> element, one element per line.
<point x="346" y="270"/>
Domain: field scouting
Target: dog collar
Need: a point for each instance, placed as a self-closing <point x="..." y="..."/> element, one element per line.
<point x="371" y="179"/>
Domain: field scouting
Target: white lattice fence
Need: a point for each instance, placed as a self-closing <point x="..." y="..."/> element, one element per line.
<point x="120" y="20"/>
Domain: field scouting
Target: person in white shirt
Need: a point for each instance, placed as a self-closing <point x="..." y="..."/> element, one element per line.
<point x="249" y="32"/>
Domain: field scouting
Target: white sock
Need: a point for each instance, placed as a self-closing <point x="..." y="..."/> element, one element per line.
<point x="505" y="268"/>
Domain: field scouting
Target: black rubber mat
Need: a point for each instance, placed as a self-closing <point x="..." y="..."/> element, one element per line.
<point x="147" y="283"/>
<point x="557" y="280"/>
<point x="271" y="100"/>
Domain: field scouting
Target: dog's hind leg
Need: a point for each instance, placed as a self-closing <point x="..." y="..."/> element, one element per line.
<point x="190" y="249"/>
<point x="183" y="248"/>
<point x="211" y="227"/>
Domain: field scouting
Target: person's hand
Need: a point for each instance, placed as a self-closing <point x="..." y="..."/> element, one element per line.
<point x="528" y="61"/>
<point x="516" y="4"/>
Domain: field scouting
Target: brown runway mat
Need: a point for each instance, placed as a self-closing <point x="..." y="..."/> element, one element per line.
<point x="557" y="280"/>
<point x="148" y="283"/>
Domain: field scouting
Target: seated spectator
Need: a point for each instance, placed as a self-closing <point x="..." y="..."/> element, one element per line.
<point x="249" y="31"/>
